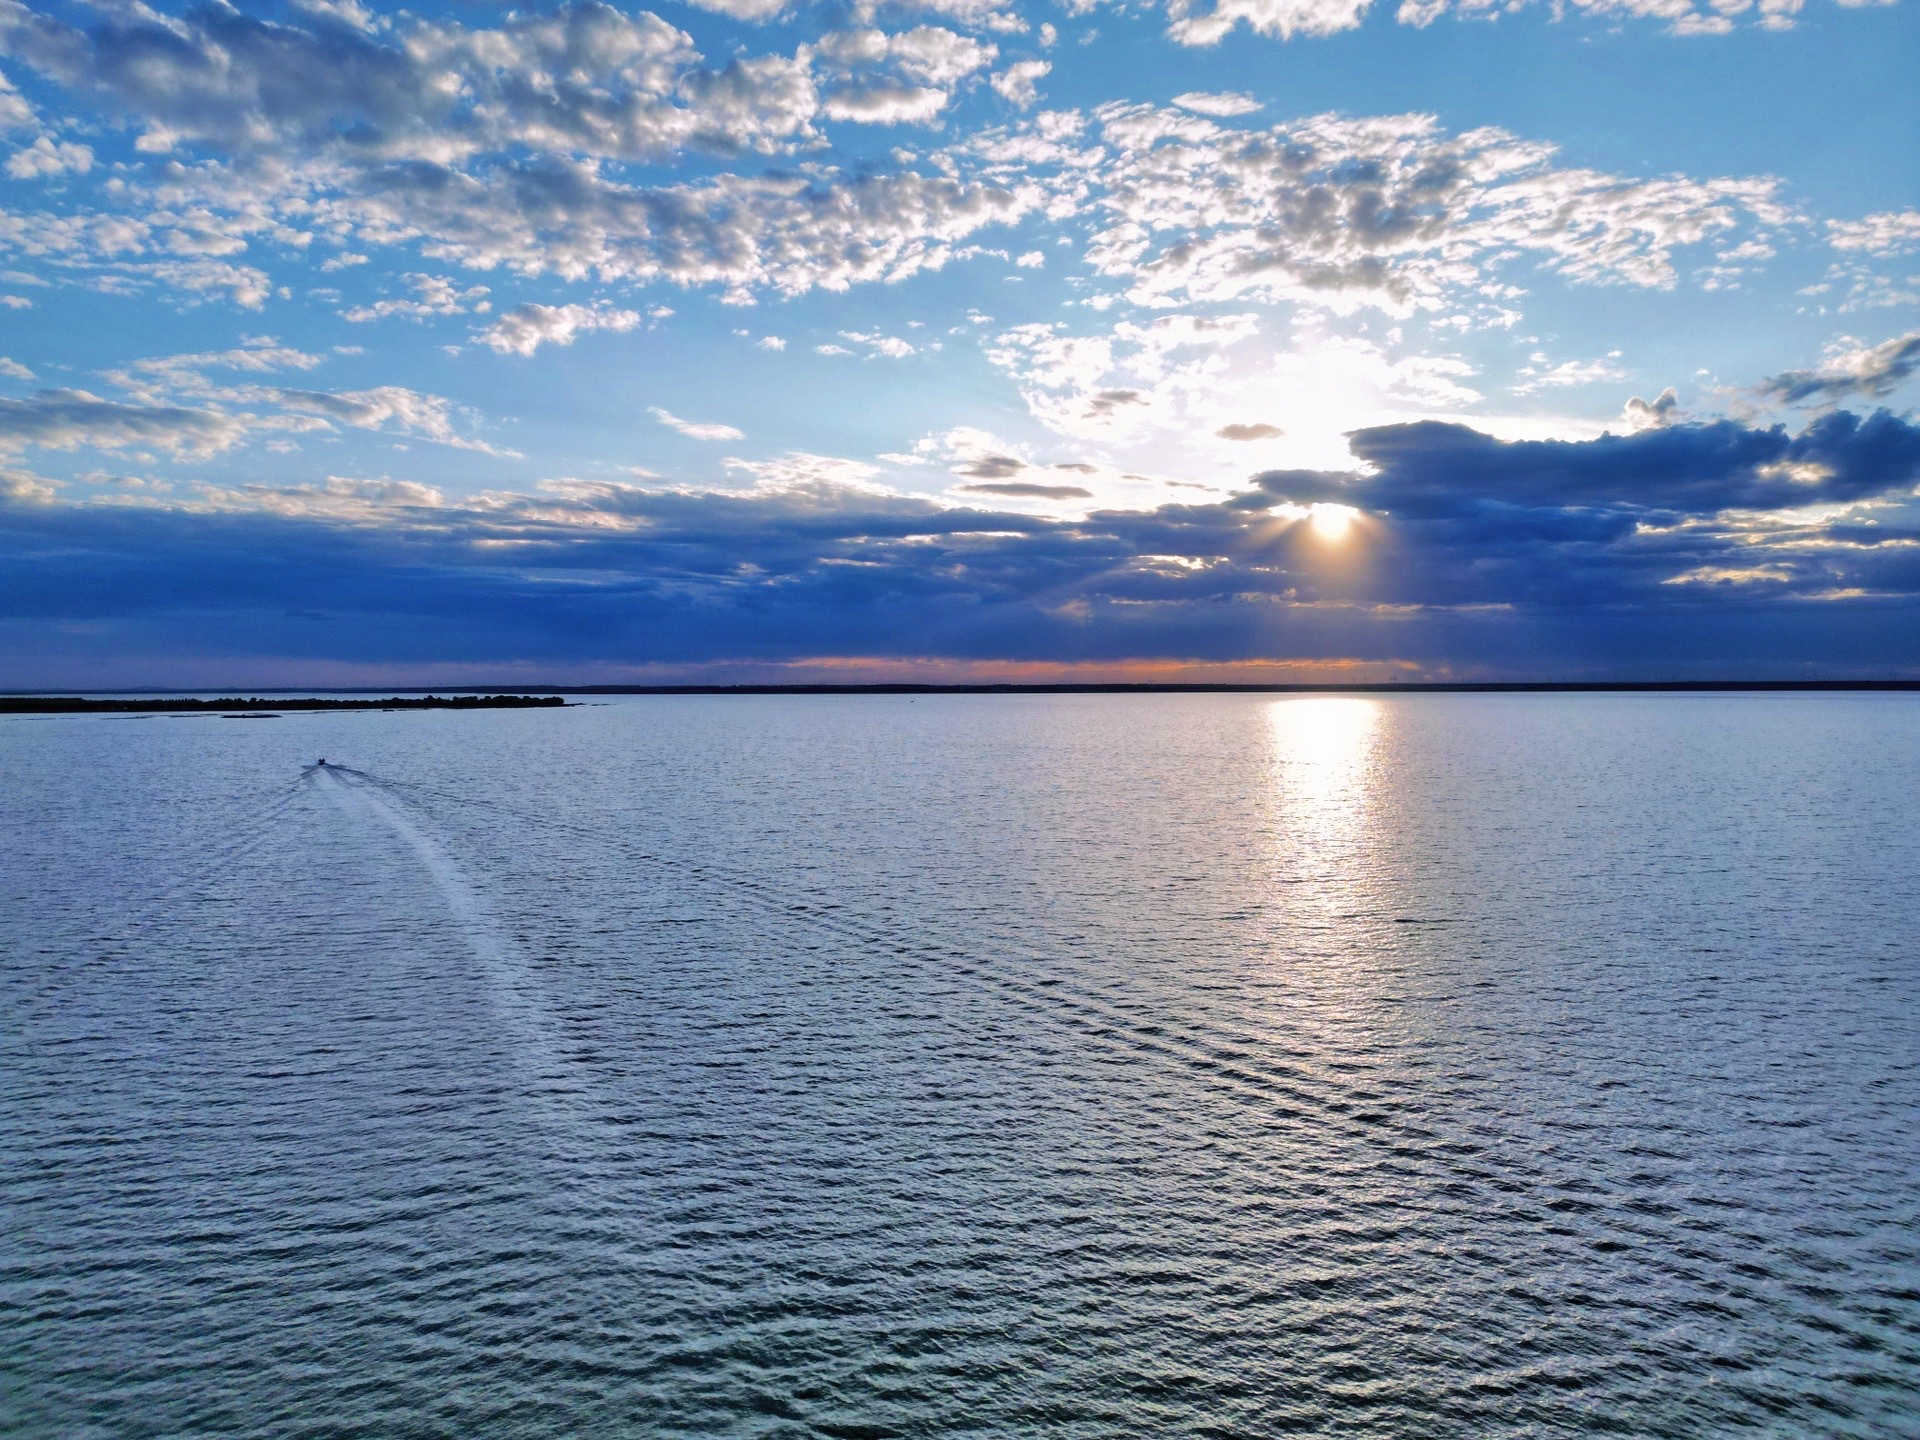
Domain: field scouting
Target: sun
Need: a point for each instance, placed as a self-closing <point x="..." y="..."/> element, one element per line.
<point x="1331" y="522"/>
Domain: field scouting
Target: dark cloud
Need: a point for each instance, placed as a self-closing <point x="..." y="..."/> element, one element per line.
<point x="1020" y="490"/>
<point x="68" y="419"/>
<point x="1872" y="372"/>
<point x="1671" y="549"/>
<point x="1431" y="470"/>
<point x="991" y="467"/>
<point x="1105" y="402"/>
<point x="1256" y="431"/>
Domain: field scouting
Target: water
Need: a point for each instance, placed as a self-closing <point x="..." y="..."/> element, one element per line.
<point x="1213" y="1065"/>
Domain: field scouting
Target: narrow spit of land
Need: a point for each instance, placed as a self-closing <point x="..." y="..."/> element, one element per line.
<point x="253" y="704"/>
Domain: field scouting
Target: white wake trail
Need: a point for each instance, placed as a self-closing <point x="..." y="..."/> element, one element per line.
<point x="555" y="1084"/>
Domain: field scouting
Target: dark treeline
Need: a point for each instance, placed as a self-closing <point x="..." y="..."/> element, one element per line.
<point x="81" y="705"/>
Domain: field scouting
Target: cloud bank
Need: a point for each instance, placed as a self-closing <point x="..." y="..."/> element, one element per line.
<point x="1468" y="554"/>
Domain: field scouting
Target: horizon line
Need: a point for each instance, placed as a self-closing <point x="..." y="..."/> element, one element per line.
<point x="1409" y="687"/>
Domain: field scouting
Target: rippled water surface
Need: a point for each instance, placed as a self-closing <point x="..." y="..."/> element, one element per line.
<point x="1438" y="1065"/>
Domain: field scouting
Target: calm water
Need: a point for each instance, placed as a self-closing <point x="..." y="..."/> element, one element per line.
<point x="1444" y="1065"/>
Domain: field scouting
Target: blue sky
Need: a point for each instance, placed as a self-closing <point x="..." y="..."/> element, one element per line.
<point x="1236" y="338"/>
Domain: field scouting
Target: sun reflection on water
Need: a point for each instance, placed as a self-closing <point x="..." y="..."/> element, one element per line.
<point x="1328" y="869"/>
<point x="1323" y="757"/>
<point x="1324" y="803"/>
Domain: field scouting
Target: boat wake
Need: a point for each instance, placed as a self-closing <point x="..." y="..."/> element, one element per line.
<point x="554" y="1087"/>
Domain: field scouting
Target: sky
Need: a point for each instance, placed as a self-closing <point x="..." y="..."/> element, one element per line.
<point x="1270" y="340"/>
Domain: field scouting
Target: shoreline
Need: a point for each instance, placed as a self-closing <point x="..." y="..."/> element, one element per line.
<point x="255" y="705"/>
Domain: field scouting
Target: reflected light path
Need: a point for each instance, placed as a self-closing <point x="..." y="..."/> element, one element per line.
<point x="1323" y="762"/>
<point x="1325" y="838"/>
<point x="1332" y="1004"/>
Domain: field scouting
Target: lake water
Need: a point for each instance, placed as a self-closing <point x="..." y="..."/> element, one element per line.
<point x="1094" y="1065"/>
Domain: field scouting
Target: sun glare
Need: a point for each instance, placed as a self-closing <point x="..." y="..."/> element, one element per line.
<point x="1331" y="522"/>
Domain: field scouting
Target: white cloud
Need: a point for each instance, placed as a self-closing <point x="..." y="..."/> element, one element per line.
<point x="47" y="157"/>
<point x="876" y="344"/>
<point x="1682" y="17"/>
<point x="525" y="328"/>
<point x="123" y="253"/>
<point x="13" y="369"/>
<point x="1892" y="232"/>
<point x="783" y="232"/>
<point x="771" y="342"/>
<point x="1223" y="104"/>
<point x="23" y="486"/>
<point x="1113" y="385"/>
<point x="886" y="104"/>
<point x="1540" y="373"/>
<point x="1019" y="83"/>
<point x="877" y="78"/>
<point x="1866" y="288"/>
<point x="580" y="79"/>
<point x="244" y="285"/>
<point x="1190" y="389"/>
<point x="162" y="377"/>
<point x="751" y="10"/>
<point x="391" y="408"/>
<point x="437" y="296"/>
<point x="338" y="497"/>
<point x="926" y="55"/>
<point x="695" y="430"/>
<point x="1282" y="19"/>
<point x="223" y="414"/>
<point x="824" y="478"/>
<point x="1388" y="212"/>
<point x="1193" y="22"/>
<point x="971" y="14"/>
<point x="1655" y="414"/>
<point x="15" y="112"/>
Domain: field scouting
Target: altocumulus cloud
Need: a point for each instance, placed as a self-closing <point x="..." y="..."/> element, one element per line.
<point x="69" y="419"/>
<point x="538" y="146"/>
<point x="1195" y="22"/>
<point x="1747" y="544"/>
<point x="497" y="147"/>
<point x="525" y="328"/>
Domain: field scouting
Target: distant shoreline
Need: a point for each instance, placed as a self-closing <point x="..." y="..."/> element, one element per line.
<point x="255" y="705"/>
<point x="108" y="703"/>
